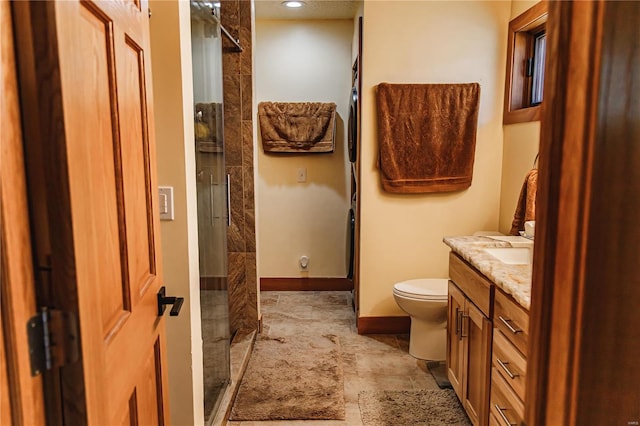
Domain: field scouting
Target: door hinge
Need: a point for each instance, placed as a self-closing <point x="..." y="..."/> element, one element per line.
<point x="53" y="340"/>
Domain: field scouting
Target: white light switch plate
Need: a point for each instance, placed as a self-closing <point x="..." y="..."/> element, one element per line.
<point x="165" y="201"/>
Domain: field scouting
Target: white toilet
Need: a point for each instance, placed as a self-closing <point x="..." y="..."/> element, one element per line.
<point x="425" y="300"/>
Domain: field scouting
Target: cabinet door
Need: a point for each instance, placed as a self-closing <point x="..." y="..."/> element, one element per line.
<point x="455" y="343"/>
<point x="493" y="421"/>
<point x="477" y="332"/>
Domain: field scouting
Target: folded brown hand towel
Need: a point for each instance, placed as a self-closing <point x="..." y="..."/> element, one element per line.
<point x="526" y="207"/>
<point x="427" y="136"/>
<point x="297" y="127"/>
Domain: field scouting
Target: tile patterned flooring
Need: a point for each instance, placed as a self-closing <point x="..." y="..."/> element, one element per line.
<point x="370" y="362"/>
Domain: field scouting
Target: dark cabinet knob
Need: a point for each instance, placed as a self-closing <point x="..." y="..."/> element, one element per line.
<point x="164" y="300"/>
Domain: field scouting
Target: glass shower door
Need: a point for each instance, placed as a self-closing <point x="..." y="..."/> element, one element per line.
<point x="212" y="198"/>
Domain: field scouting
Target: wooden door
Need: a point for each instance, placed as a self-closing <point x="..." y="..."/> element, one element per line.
<point x="582" y="364"/>
<point x="454" y="339"/>
<point x="477" y="333"/>
<point x="5" y="391"/>
<point x="21" y="397"/>
<point x="85" y="69"/>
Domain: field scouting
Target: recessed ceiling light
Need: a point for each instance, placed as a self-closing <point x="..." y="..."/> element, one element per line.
<point x="293" y="4"/>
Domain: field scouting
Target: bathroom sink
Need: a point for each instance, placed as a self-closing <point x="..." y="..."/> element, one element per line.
<point x="511" y="255"/>
<point x="514" y="240"/>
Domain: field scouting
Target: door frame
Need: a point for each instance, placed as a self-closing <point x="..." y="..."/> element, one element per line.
<point x="22" y="395"/>
<point x="568" y="227"/>
<point x="586" y="286"/>
<point x="63" y="387"/>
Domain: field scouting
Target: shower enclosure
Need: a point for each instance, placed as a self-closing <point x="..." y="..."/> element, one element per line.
<point x="213" y="198"/>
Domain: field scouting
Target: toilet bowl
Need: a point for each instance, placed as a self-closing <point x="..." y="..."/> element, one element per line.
<point x="425" y="300"/>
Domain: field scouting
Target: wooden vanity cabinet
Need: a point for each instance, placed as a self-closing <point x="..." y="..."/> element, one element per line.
<point x="469" y="335"/>
<point x="505" y="404"/>
<point x="455" y="356"/>
<point x="487" y="339"/>
<point x="493" y="421"/>
<point x="509" y="362"/>
<point x="512" y="319"/>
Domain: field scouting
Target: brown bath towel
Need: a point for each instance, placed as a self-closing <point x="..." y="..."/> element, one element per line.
<point x="526" y="207"/>
<point x="427" y="136"/>
<point x="297" y="127"/>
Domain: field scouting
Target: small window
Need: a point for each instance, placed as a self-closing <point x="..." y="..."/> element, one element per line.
<point x="525" y="65"/>
<point x="539" y="50"/>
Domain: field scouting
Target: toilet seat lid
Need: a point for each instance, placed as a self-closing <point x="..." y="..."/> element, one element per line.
<point x="423" y="288"/>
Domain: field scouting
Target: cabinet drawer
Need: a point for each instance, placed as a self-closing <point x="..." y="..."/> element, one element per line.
<point x="493" y="421"/>
<point x="512" y="320"/>
<point x="473" y="284"/>
<point x="509" y="363"/>
<point x="506" y="407"/>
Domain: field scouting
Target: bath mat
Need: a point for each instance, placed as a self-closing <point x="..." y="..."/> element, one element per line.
<point x="438" y="370"/>
<point x="292" y="378"/>
<point x="438" y="407"/>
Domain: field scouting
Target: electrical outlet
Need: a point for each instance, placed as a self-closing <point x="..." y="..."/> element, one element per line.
<point x="302" y="174"/>
<point x="304" y="263"/>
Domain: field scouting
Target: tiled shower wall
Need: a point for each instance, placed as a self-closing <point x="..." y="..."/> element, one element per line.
<point x="238" y="133"/>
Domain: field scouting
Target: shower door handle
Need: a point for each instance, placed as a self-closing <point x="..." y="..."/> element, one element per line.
<point x="228" y="200"/>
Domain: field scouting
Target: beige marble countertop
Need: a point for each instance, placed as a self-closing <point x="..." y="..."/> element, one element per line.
<point x="512" y="279"/>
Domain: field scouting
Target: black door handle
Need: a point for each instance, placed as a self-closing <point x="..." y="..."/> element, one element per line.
<point x="163" y="301"/>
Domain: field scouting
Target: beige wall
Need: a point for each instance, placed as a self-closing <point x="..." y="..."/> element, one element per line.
<point x="303" y="61"/>
<point x="172" y="91"/>
<point x="354" y="42"/>
<point x="519" y="6"/>
<point x="428" y="42"/>
<point x="521" y="143"/>
<point x="520" y="148"/>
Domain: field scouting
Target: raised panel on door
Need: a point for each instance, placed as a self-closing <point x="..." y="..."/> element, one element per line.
<point x="136" y="165"/>
<point x="478" y="358"/>
<point x="149" y="400"/>
<point x="454" y="339"/>
<point x="93" y="155"/>
<point x="142" y="404"/>
<point x="104" y="198"/>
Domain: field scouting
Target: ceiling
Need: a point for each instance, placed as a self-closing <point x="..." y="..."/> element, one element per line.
<point x="313" y="9"/>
